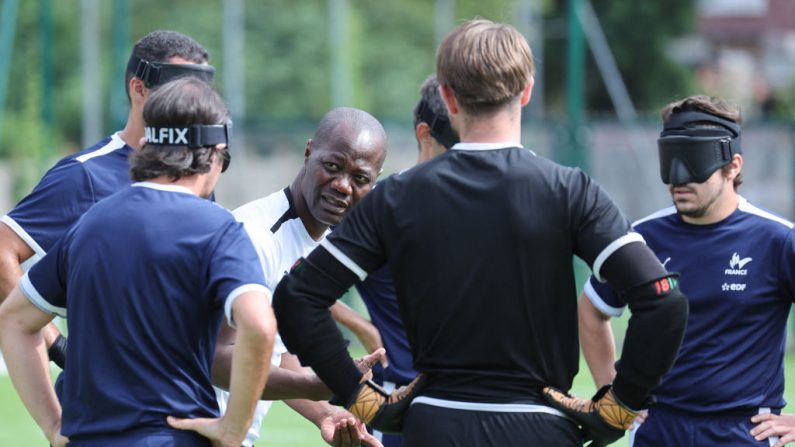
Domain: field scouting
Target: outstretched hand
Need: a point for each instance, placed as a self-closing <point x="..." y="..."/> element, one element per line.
<point x="370" y="338"/>
<point x="211" y="428"/>
<point x="342" y="429"/>
<point x="366" y="363"/>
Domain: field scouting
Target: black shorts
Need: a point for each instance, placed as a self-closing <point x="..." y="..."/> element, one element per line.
<point x="431" y="426"/>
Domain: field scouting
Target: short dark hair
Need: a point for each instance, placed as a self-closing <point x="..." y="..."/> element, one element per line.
<point x="429" y="92"/>
<point x="179" y="103"/>
<point x="162" y="45"/>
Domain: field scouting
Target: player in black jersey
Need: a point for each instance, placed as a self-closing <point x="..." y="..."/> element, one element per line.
<point x="480" y="242"/>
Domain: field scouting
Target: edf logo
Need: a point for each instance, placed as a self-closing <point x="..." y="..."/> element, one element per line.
<point x="734" y="287"/>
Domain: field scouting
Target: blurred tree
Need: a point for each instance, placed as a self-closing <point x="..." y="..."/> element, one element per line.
<point x="638" y="34"/>
<point x="25" y="68"/>
<point x="287" y="54"/>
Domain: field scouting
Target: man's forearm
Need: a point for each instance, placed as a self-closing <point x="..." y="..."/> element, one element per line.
<point x="285" y="384"/>
<point x="361" y="327"/>
<point x="598" y="345"/>
<point x="291" y="381"/>
<point x="26" y="360"/>
<point x="250" y="360"/>
<point x="314" y="412"/>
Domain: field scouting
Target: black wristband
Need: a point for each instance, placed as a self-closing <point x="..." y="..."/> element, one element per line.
<point x="57" y="351"/>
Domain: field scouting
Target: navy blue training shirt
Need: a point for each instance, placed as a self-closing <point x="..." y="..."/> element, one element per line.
<point x="67" y="191"/>
<point x="739" y="276"/>
<point x="144" y="277"/>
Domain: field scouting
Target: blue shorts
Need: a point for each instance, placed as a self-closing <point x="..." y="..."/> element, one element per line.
<point x="667" y="427"/>
<point x="143" y="437"/>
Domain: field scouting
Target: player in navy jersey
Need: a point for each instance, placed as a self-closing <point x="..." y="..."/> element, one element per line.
<point x="480" y="242"/>
<point x="79" y="181"/>
<point x="737" y="265"/>
<point x="146" y="276"/>
<point x="341" y="164"/>
<point x="434" y="137"/>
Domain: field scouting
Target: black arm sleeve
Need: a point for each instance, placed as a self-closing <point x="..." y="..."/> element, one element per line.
<point x="57" y="351"/>
<point x="301" y="303"/>
<point x="656" y="325"/>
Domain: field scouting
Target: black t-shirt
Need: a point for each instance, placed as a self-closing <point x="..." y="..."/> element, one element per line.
<point x="480" y="241"/>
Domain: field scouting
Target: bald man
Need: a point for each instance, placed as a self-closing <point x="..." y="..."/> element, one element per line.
<point x="341" y="164"/>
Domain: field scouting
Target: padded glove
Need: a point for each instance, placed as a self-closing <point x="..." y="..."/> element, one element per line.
<point x="381" y="410"/>
<point x="603" y="418"/>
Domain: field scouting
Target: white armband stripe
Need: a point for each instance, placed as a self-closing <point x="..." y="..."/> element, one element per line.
<point x="344" y="259"/>
<point x="612" y="248"/>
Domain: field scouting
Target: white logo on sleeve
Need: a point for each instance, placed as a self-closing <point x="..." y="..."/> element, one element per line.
<point x="737" y="265"/>
<point x="666" y="261"/>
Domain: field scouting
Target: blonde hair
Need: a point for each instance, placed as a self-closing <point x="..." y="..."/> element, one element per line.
<point x="486" y="64"/>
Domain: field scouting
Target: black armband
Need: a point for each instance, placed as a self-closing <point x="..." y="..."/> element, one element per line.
<point x="632" y="265"/>
<point x="57" y="351"/>
<point x="654" y="334"/>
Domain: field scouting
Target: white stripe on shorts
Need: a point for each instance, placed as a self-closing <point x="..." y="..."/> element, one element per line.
<point x="479" y="406"/>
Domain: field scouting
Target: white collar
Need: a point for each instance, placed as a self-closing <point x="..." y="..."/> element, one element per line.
<point x="485" y="146"/>
<point x="162" y="187"/>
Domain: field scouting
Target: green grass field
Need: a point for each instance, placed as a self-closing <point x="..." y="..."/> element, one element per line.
<point x="282" y="428"/>
<point x="285" y="428"/>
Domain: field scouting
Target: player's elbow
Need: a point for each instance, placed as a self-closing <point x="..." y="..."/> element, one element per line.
<point x="675" y="308"/>
<point x="259" y="328"/>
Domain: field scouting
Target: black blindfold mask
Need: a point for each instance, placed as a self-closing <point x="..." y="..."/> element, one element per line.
<point x="155" y="73"/>
<point x="693" y="145"/>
